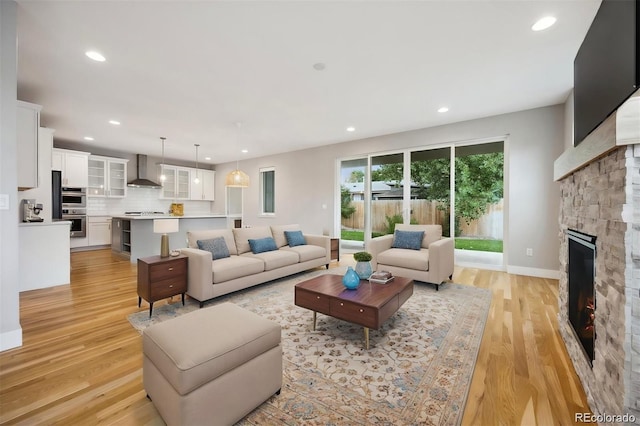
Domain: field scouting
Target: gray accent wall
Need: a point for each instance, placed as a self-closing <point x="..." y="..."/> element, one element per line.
<point x="306" y="180"/>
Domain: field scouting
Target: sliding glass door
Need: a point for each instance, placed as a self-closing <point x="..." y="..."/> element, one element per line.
<point x="431" y="188"/>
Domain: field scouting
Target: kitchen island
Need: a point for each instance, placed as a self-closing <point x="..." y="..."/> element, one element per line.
<point x="44" y="257"/>
<point x="133" y="236"/>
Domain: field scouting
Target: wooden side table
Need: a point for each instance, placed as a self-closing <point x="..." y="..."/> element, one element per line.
<point x="161" y="277"/>
<point x="335" y="249"/>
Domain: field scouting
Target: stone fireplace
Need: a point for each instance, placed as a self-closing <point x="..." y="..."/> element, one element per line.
<point x="600" y="190"/>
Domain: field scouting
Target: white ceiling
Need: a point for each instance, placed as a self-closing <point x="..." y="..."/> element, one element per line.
<point x="190" y="70"/>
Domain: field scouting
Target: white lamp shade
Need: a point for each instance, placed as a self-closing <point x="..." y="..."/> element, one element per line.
<point x="166" y="226"/>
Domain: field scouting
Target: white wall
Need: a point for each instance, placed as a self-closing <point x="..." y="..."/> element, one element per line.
<point x="10" y="330"/>
<point x="305" y="180"/>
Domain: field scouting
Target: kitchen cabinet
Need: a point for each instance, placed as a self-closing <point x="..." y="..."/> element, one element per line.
<point x="99" y="230"/>
<point x="27" y="126"/>
<point x="74" y="166"/>
<point x="204" y="189"/>
<point x="121" y="236"/>
<point x="177" y="183"/>
<point x="107" y="177"/>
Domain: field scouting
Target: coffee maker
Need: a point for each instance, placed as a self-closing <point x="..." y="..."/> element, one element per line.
<point x="30" y="211"/>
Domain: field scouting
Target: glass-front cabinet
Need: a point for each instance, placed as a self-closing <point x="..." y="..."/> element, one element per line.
<point x="175" y="186"/>
<point x="107" y="177"/>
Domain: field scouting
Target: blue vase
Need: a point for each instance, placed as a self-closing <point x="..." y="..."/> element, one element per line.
<point x="363" y="269"/>
<point x="351" y="280"/>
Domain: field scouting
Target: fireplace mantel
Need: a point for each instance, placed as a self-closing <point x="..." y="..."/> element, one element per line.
<point x="619" y="129"/>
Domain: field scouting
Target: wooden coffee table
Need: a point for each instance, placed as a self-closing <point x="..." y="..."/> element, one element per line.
<point x="369" y="306"/>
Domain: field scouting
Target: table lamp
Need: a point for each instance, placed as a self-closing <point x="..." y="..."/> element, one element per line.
<point x="164" y="227"/>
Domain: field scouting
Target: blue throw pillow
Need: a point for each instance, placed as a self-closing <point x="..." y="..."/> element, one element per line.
<point x="262" y="244"/>
<point x="217" y="247"/>
<point x="295" y="238"/>
<point x="407" y="239"/>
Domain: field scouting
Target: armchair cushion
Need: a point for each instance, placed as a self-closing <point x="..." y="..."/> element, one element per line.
<point x="407" y="239"/>
<point x="432" y="233"/>
<point x="410" y="259"/>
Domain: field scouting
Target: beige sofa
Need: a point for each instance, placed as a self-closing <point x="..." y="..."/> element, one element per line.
<point x="208" y="278"/>
<point x="432" y="263"/>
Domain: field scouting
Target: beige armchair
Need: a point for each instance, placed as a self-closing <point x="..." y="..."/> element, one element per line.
<point x="432" y="263"/>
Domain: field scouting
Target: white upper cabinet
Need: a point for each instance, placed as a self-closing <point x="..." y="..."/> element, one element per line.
<point x="107" y="177"/>
<point x="27" y="126"/>
<point x="204" y="189"/>
<point x="176" y="185"/>
<point x="74" y="166"/>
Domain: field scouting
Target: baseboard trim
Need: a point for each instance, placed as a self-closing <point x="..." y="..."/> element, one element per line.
<point x="534" y="272"/>
<point x="10" y="339"/>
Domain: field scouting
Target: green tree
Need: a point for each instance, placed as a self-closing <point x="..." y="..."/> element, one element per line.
<point x="346" y="209"/>
<point x="356" y="176"/>
<point x="479" y="182"/>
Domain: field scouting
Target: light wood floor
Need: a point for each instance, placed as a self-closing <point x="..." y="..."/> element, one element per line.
<point x="81" y="361"/>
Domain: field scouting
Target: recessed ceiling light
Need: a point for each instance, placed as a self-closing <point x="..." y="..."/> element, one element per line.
<point x="244" y="151"/>
<point x="114" y="122"/>
<point x="88" y="138"/>
<point x="207" y="158"/>
<point x="96" y="56"/>
<point x="443" y="109"/>
<point x="351" y="129"/>
<point x="543" y="23"/>
<point x="319" y="66"/>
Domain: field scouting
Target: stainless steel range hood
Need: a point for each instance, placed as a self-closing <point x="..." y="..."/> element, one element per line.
<point x="142" y="181"/>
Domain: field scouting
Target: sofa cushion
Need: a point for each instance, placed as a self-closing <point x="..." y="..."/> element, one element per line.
<point x="235" y="267"/>
<point x="262" y="245"/>
<point x="278" y="233"/>
<point x="217" y="247"/>
<point x="242" y="235"/>
<point x="274" y="259"/>
<point x="194" y="236"/>
<point x="407" y="239"/>
<point x="295" y="238"/>
<point x="307" y="252"/>
<point x="432" y="233"/>
<point x="403" y="258"/>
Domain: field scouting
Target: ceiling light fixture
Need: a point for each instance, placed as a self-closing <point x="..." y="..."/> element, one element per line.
<point x="163" y="177"/>
<point x="207" y="158"/>
<point x="543" y="23"/>
<point x="244" y="151"/>
<point x="88" y="138"/>
<point x="237" y="178"/>
<point x="96" y="56"/>
<point x="197" y="179"/>
<point x="443" y="109"/>
<point x="114" y="122"/>
<point x="351" y="129"/>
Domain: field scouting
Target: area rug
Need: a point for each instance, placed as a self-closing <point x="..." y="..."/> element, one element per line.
<point x="417" y="370"/>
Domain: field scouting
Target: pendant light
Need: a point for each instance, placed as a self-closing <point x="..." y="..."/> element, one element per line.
<point x="197" y="179"/>
<point x="237" y="178"/>
<point x="163" y="177"/>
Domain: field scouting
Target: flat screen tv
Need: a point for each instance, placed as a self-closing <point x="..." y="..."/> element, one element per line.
<point x="606" y="70"/>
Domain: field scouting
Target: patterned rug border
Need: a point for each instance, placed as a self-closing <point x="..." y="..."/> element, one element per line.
<point x="315" y="402"/>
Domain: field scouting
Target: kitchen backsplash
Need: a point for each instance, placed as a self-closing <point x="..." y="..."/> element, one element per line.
<point x="142" y="200"/>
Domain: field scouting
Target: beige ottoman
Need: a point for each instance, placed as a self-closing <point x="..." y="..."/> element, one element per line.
<point x="212" y="366"/>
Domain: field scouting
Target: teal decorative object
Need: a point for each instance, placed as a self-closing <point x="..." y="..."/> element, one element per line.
<point x="351" y="280"/>
<point x="363" y="269"/>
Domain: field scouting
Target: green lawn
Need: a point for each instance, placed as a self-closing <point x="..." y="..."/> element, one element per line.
<point x="479" y="245"/>
<point x="461" y="243"/>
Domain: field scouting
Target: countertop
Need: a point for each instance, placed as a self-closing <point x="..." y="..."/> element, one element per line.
<point x="168" y="216"/>
<point x="56" y="223"/>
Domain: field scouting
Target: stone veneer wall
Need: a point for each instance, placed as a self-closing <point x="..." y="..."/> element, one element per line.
<point x="593" y="201"/>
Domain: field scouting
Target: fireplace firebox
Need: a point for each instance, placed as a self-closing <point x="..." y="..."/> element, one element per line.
<point x="582" y="301"/>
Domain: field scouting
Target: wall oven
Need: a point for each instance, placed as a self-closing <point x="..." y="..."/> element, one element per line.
<point x="74" y="197"/>
<point x="78" y="219"/>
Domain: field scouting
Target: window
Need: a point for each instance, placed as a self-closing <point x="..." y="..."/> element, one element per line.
<point x="267" y="191"/>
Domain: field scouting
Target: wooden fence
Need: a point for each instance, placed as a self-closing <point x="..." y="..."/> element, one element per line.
<point x="425" y="211"/>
